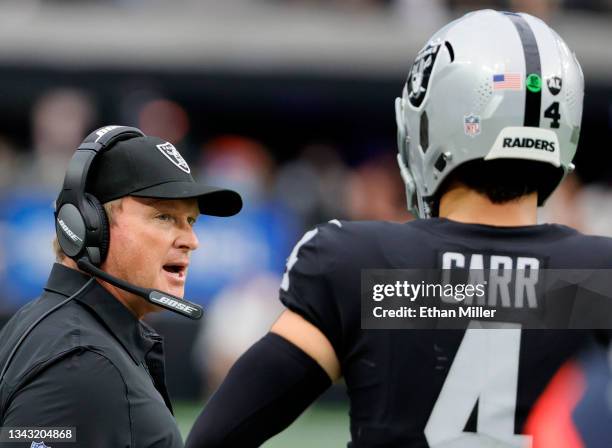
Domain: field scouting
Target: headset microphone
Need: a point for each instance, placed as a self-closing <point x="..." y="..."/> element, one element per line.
<point x="159" y="298"/>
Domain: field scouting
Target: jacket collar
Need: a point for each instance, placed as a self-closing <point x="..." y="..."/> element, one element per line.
<point x="134" y="336"/>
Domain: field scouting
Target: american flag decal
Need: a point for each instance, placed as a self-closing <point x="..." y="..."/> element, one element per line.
<point x="511" y="81"/>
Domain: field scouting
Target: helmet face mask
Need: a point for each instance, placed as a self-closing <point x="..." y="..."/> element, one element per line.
<point x="403" y="142"/>
<point x="487" y="86"/>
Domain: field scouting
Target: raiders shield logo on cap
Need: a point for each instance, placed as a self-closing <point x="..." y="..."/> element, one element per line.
<point x="174" y="156"/>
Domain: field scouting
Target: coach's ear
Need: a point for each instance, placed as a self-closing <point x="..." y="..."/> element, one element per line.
<point x="309" y="339"/>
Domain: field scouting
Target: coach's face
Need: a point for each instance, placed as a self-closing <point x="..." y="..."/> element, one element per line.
<point x="151" y="241"/>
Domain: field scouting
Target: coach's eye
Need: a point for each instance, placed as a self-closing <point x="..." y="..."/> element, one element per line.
<point x="164" y="217"/>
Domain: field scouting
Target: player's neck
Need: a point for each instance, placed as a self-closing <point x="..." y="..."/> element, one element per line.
<point x="465" y="205"/>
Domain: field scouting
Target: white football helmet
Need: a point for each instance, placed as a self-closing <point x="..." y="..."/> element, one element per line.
<point x="490" y="85"/>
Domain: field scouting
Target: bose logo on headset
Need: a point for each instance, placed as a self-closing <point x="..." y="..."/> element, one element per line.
<point x="172" y="303"/>
<point x="105" y="130"/>
<point x="68" y="232"/>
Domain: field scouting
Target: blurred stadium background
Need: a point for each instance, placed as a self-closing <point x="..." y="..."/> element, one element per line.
<point x="288" y="101"/>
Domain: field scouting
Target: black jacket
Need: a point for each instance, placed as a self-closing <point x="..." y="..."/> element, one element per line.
<point x="91" y="365"/>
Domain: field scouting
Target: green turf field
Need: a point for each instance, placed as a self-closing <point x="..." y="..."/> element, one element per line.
<point x="322" y="426"/>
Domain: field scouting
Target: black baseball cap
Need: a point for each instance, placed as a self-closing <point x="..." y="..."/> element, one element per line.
<point x="152" y="168"/>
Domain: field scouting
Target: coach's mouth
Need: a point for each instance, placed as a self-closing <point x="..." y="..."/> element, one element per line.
<point x="176" y="270"/>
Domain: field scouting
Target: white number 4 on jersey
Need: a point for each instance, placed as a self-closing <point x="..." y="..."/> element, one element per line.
<point x="485" y="369"/>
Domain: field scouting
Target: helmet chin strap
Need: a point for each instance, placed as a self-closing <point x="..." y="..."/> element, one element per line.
<point x="426" y="207"/>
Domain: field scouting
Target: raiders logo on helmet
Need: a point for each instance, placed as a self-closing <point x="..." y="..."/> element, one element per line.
<point x="554" y="84"/>
<point x="418" y="79"/>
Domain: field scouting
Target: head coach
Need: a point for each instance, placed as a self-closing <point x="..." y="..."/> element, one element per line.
<point x="79" y="356"/>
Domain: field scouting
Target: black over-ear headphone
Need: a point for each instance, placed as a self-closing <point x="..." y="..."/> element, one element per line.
<point x="81" y="224"/>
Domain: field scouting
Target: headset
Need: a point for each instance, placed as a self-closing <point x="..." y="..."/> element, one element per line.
<point x="81" y="224"/>
<point x="83" y="233"/>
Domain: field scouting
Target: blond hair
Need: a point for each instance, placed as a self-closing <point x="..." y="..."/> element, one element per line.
<point x="109" y="207"/>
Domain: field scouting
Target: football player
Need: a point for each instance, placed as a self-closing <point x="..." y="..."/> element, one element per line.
<point x="488" y="125"/>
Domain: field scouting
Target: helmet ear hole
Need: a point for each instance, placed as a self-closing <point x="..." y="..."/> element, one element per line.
<point x="424" y="132"/>
<point x="440" y="163"/>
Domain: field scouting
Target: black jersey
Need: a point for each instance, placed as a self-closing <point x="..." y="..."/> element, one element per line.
<point x="419" y="388"/>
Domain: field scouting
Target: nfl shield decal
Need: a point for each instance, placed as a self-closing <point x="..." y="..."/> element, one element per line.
<point x="172" y="154"/>
<point x="471" y="125"/>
